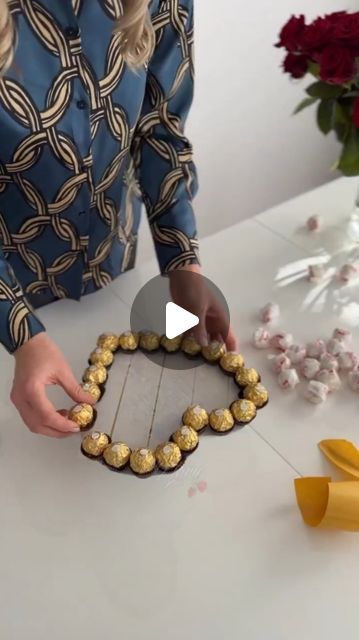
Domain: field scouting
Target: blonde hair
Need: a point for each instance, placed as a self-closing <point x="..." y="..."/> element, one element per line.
<point x="134" y="26"/>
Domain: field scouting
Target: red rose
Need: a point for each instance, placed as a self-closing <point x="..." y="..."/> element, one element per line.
<point x="346" y="31"/>
<point x="317" y="35"/>
<point x="356" y="113"/>
<point x="296" y="65"/>
<point x="291" y="34"/>
<point x="337" y="65"/>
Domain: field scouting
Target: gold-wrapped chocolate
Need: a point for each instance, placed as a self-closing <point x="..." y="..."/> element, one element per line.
<point x="101" y="356"/>
<point x="243" y="411"/>
<point x="117" y="455"/>
<point x="221" y="420"/>
<point x="149" y="341"/>
<point x="186" y="438"/>
<point x="214" y="351"/>
<point x="244" y="377"/>
<point x="95" y="373"/>
<point x="195" y="417"/>
<point x="94" y="444"/>
<point x="108" y="341"/>
<point x="142" y="461"/>
<point x="190" y="346"/>
<point x="231" y="361"/>
<point x="168" y="456"/>
<point x="83" y="414"/>
<point x="171" y="345"/>
<point x="129" y="341"/>
<point x="93" y="389"/>
<point x="258" y="394"/>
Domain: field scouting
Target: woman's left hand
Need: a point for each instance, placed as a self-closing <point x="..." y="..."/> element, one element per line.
<point x="192" y="293"/>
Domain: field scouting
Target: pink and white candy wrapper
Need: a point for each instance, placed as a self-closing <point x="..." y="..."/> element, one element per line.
<point x="335" y="347"/>
<point x="316" y="392"/>
<point x="282" y="341"/>
<point x="296" y="353"/>
<point x="316" y="272"/>
<point x="309" y="368"/>
<point x="270" y="313"/>
<point x="316" y="349"/>
<point x="347" y="273"/>
<point x="261" y="338"/>
<point x="288" y="379"/>
<point x="280" y="362"/>
<point x="328" y="361"/>
<point x="353" y="379"/>
<point x="330" y="378"/>
<point x="343" y="335"/>
<point x="348" y="361"/>
<point x="314" y="223"/>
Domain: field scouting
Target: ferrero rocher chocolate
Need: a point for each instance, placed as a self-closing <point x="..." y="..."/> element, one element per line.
<point x="94" y="444"/>
<point x="244" y="377"/>
<point x="214" y="351"/>
<point x="168" y="456"/>
<point x="258" y="394"/>
<point x="108" y="341"/>
<point x="129" y="340"/>
<point x="149" y="341"/>
<point x="142" y="461"/>
<point x="171" y="345"/>
<point x="190" y="346"/>
<point x="82" y="414"/>
<point x="221" y="420"/>
<point x="117" y="455"/>
<point x="186" y="438"/>
<point x="195" y="417"/>
<point x="243" y="411"/>
<point x="93" y="389"/>
<point x="231" y="361"/>
<point x="95" y="373"/>
<point x="101" y="356"/>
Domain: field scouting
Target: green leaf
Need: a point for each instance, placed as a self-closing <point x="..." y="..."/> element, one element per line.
<point x="314" y="69"/>
<point x="342" y="131"/>
<point x="349" y="160"/>
<point x="324" y="91"/>
<point x="325" y="115"/>
<point x="307" y="102"/>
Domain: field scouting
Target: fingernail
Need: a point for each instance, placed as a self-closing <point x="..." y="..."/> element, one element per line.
<point x="76" y="429"/>
<point x="203" y="341"/>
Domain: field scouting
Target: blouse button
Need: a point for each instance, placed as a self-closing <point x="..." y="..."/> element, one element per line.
<point x="72" y="32"/>
<point x="81" y="104"/>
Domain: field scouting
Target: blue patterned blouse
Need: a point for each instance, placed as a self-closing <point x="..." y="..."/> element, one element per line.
<point x="83" y="140"/>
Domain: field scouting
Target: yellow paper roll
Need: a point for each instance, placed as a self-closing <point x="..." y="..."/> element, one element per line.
<point x="343" y="454"/>
<point x="328" y="505"/>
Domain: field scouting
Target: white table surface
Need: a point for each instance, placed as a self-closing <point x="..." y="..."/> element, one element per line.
<point x="90" y="554"/>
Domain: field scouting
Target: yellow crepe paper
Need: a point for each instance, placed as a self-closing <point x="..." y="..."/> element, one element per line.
<point x="343" y="454"/>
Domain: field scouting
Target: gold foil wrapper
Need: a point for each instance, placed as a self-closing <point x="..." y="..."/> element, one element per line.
<point x="108" y="341"/>
<point x="221" y="420"/>
<point x="171" y="345"/>
<point x="95" y="443"/>
<point x="129" y="341"/>
<point x="190" y="346"/>
<point x="93" y="389"/>
<point x="195" y="417"/>
<point x="231" y="361"/>
<point x="258" y="394"/>
<point x="101" y="356"/>
<point x="244" y="377"/>
<point x="214" y="351"/>
<point x="186" y="438"/>
<point x="117" y="455"/>
<point x="149" y="341"/>
<point x="95" y="373"/>
<point x="168" y="456"/>
<point x="243" y="411"/>
<point x="82" y="414"/>
<point x="142" y="461"/>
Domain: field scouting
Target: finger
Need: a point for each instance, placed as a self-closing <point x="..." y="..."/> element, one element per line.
<point x="69" y="383"/>
<point x="218" y="321"/>
<point x="200" y="331"/>
<point x="231" y="340"/>
<point x="46" y="413"/>
<point x="30" y="419"/>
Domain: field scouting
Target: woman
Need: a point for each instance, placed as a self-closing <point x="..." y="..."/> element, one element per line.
<point x="93" y="99"/>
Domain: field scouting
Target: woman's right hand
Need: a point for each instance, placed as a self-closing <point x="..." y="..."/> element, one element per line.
<point x="39" y="363"/>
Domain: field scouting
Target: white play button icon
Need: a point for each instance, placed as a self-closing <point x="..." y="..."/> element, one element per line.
<point x="178" y="320"/>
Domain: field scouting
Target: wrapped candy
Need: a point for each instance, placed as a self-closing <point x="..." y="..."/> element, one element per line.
<point x="353" y="380"/>
<point x="330" y="378"/>
<point x="261" y="338"/>
<point x="316" y="272"/>
<point x="282" y="341"/>
<point x="296" y="353"/>
<point x="288" y="379"/>
<point x="348" y="361"/>
<point x="309" y="368"/>
<point x="280" y="362"/>
<point x="316" y="392"/>
<point x="343" y="335"/>
<point x="347" y="273"/>
<point x="335" y="347"/>
<point x="327" y="361"/>
<point x="316" y="349"/>
<point x="269" y="313"/>
<point x="314" y="223"/>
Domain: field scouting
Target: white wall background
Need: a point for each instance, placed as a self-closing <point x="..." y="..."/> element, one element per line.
<point x="250" y="152"/>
